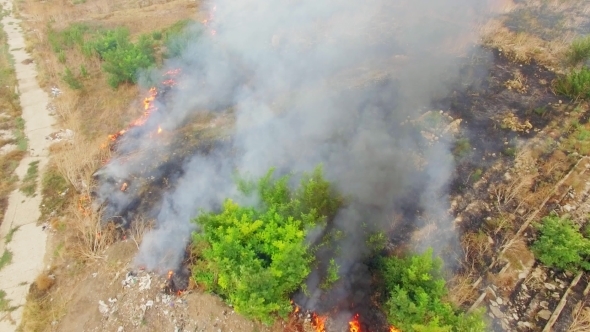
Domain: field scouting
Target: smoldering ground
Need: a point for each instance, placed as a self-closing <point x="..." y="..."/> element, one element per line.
<point x="312" y="82"/>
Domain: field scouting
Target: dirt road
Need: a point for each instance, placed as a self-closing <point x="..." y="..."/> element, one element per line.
<point x="28" y="243"/>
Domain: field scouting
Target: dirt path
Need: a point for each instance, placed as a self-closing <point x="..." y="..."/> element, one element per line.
<point x="28" y="243"/>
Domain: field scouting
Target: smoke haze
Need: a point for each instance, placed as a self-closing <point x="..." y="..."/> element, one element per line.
<point x="312" y="82"/>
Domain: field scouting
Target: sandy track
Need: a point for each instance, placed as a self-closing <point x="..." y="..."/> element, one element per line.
<point x="29" y="242"/>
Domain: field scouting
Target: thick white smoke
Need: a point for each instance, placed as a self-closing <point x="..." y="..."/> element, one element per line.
<point x="313" y="82"/>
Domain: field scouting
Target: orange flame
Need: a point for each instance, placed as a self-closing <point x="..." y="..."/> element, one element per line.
<point x="318" y="322"/>
<point x="124" y="186"/>
<point x="170" y="274"/>
<point x="394" y="329"/>
<point x="355" y="324"/>
<point x="159" y="129"/>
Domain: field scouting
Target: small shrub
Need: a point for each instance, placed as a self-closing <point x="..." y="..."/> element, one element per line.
<point x="462" y="147"/>
<point x="257" y="257"/>
<point x="44" y="282"/>
<point x="331" y="275"/>
<point x="579" y="51"/>
<point x="561" y="245"/>
<point x="67" y="38"/>
<point x="416" y="296"/>
<point x="576" y="84"/>
<point x="122" y="63"/>
<point x="69" y="78"/>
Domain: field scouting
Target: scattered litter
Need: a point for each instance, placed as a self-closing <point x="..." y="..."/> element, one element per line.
<point x="145" y="282"/>
<point x="94" y="274"/>
<point x="130" y="280"/>
<point x="149" y="303"/>
<point x="120" y="329"/>
<point x="55" y="91"/>
<point x="60" y="135"/>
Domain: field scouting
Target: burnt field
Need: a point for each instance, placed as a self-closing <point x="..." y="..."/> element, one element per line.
<point x="502" y="106"/>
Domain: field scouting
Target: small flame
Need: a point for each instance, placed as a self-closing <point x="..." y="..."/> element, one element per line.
<point x="355" y="324"/>
<point x="394" y="329"/>
<point x="159" y="129"/>
<point x="170" y="274"/>
<point x="124" y="186"/>
<point x="318" y="322"/>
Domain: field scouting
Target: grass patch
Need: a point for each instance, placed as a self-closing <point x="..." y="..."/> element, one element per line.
<point x="579" y="51"/>
<point x="575" y="84"/>
<point x="55" y="192"/>
<point x="10" y="234"/>
<point x="29" y="184"/>
<point x="5" y="303"/>
<point x="5" y="259"/>
<point x="22" y="142"/>
<point x="462" y="148"/>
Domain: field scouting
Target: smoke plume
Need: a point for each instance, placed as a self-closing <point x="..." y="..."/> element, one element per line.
<point x="308" y="82"/>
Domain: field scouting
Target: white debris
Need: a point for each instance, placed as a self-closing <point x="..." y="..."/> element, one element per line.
<point x="61" y="135"/>
<point x="149" y="303"/>
<point x="112" y="300"/>
<point x="145" y="282"/>
<point x="130" y="280"/>
<point x="120" y="329"/>
<point x="94" y="274"/>
<point x="103" y="308"/>
<point x="55" y="91"/>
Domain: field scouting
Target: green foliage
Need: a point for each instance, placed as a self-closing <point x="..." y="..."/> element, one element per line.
<point x="376" y="241"/>
<point x="331" y="275"/>
<point x="123" y="62"/>
<point x="107" y="41"/>
<point x="561" y="245"/>
<point x="179" y="36"/>
<point x="416" y="293"/>
<point x="256" y="257"/>
<point x="579" y="51"/>
<point x="70" y="79"/>
<point x="462" y="147"/>
<point x="67" y="38"/>
<point x="576" y="84"/>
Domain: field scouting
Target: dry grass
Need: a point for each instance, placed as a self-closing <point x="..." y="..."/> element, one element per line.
<point x="44" y="282"/>
<point x="518" y="83"/>
<point x="505" y="281"/>
<point x="581" y="322"/>
<point x="518" y="255"/>
<point x="523" y="47"/>
<point x="461" y="290"/>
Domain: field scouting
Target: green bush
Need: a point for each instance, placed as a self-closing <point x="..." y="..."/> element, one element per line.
<point x="73" y="35"/>
<point x="579" y="51"/>
<point x="561" y="245"/>
<point x="576" y="84"/>
<point x="257" y="257"/>
<point x="123" y="62"/>
<point x="107" y="41"/>
<point x="71" y="80"/>
<point x="416" y="296"/>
